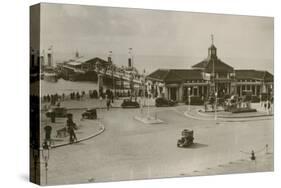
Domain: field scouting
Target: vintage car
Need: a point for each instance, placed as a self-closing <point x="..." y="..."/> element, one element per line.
<point x="57" y="112"/>
<point x="161" y="102"/>
<point x="128" y="103"/>
<point x="187" y="138"/>
<point x="90" y="114"/>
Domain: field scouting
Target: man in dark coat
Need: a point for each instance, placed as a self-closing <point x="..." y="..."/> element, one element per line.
<point x="48" y="131"/>
<point x="71" y="126"/>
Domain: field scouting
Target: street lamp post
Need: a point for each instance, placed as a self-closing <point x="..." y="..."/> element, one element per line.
<point x="216" y="94"/>
<point x="142" y="103"/>
<point x="189" y="98"/>
<point x="46" y="156"/>
<point x="149" y="95"/>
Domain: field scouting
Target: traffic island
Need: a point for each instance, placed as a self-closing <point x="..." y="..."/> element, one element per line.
<point x="148" y="120"/>
<point x="250" y="113"/>
<point x="243" y="110"/>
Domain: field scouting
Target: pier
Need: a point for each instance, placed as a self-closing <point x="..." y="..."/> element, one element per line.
<point x="101" y="71"/>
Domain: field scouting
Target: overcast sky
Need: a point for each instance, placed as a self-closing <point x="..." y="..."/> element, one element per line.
<point x="160" y="39"/>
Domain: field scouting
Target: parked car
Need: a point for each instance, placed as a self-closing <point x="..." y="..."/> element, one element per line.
<point x="90" y="114"/>
<point x="161" y="102"/>
<point x="128" y="103"/>
<point x="57" y="111"/>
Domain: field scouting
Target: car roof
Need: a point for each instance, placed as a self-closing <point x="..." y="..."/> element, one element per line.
<point x="90" y="109"/>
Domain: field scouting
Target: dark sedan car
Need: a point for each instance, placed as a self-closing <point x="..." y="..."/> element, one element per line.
<point x="127" y="103"/>
<point x="57" y="111"/>
<point x="90" y="114"/>
<point x="161" y="102"/>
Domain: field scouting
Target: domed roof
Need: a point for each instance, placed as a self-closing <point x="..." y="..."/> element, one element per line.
<point x="212" y="47"/>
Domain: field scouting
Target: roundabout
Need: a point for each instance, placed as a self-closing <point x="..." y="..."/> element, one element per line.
<point x="198" y="113"/>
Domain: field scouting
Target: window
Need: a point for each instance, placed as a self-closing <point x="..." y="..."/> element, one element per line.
<point x="222" y="75"/>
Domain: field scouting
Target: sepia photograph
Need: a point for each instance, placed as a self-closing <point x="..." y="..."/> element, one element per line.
<point x="128" y="94"/>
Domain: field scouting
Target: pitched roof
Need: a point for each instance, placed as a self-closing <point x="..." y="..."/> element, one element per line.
<point x="175" y="75"/>
<point x="244" y="74"/>
<point x="159" y="74"/>
<point x="178" y="75"/>
<point x="80" y="60"/>
<point x="219" y="66"/>
<point x="98" y="59"/>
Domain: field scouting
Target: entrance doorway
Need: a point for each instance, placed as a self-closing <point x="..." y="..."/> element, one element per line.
<point x="222" y="89"/>
<point x="173" y="93"/>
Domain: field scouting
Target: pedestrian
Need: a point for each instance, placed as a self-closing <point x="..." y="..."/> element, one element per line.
<point x="112" y="97"/>
<point x="108" y="102"/>
<point x="265" y="104"/>
<point x="48" y="132"/>
<point x="48" y="98"/>
<point x="268" y="107"/>
<point x="77" y="96"/>
<point x="71" y="126"/>
<point x="205" y="105"/>
<point x="83" y="94"/>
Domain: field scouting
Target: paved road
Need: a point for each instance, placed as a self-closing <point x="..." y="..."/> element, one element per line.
<point x="129" y="149"/>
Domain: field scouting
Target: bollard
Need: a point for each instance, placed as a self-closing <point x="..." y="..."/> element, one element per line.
<point x="253" y="157"/>
<point x="266" y="149"/>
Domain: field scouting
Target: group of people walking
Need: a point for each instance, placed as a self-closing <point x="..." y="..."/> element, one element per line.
<point x="77" y="95"/>
<point x="267" y="105"/>
<point x="53" y="99"/>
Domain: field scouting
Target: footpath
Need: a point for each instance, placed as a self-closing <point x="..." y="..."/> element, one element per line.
<point x="86" y="129"/>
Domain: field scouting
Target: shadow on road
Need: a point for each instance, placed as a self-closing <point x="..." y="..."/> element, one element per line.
<point x="197" y="145"/>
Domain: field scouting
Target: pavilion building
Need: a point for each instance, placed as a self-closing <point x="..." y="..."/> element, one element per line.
<point x="209" y="76"/>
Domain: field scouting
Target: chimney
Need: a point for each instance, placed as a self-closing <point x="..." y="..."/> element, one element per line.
<point x="49" y="56"/>
<point x="77" y="54"/>
<point x="130" y="59"/>
<point x="109" y="59"/>
<point x="129" y="62"/>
